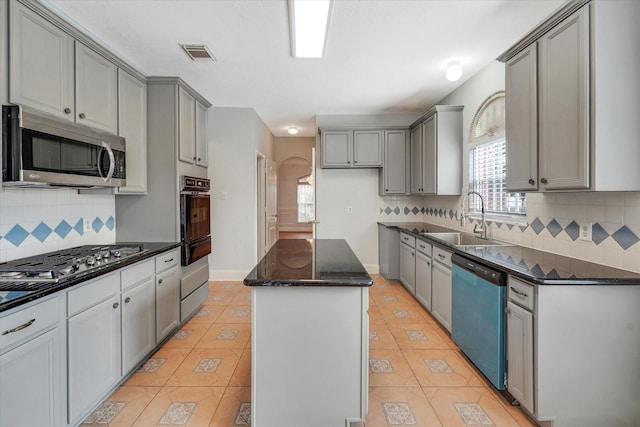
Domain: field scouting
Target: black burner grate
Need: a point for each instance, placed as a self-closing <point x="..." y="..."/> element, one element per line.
<point x="23" y="286"/>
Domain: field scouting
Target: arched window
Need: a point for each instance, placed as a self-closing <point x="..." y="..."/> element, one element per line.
<point x="487" y="161"/>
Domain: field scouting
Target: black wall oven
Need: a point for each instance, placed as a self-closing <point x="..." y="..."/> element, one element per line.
<point x="195" y="219"/>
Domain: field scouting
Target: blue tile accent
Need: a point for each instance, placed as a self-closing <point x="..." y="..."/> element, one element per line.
<point x="63" y="229"/>
<point x="537" y="226"/>
<point x="387" y="210"/>
<point x="537" y="270"/>
<point x="406" y="210"/>
<point x="431" y="211"/>
<point x="489" y="223"/>
<point x="41" y="232"/>
<point x="554" y="227"/>
<point x="396" y="211"/>
<point x="523" y="227"/>
<point x="111" y="223"/>
<point x="79" y="227"/>
<point x="598" y="234"/>
<point x="415" y="210"/>
<point x="16" y="235"/>
<point x="625" y="237"/>
<point x="440" y="213"/>
<point x="97" y="225"/>
<point x="573" y="230"/>
<point x="510" y="226"/>
<point x="451" y="213"/>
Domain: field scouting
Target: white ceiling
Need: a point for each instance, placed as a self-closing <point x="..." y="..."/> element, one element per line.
<point x="382" y="56"/>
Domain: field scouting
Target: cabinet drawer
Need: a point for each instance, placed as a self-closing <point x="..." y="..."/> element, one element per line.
<point x="92" y="293"/>
<point x="521" y="293"/>
<point x="28" y="322"/>
<point x="167" y="260"/>
<point x="423" y="247"/>
<point x="443" y="256"/>
<point x="408" y="239"/>
<point x="194" y="280"/>
<point x="137" y="273"/>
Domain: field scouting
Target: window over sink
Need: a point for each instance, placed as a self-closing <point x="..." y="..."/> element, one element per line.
<point x="487" y="162"/>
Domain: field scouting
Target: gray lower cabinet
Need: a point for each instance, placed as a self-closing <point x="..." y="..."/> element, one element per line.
<point x="520" y="354"/>
<point x="167" y="293"/>
<point x="389" y="252"/>
<point x="423" y="273"/>
<point x="408" y="262"/>
<point x="32" y="366"/>
<point x="394" y="176"/>
<point x="441" y="286"/>
<point x="94" y="343"/>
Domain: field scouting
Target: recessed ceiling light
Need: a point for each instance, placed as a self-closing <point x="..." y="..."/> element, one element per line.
<point x="198" y="51"/>
<point x="308" y="23"/>
<point x="454" y="71"/>
<point x="293" y="130"/>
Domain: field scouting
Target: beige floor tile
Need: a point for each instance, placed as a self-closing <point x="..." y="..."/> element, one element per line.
<point x="234" y="408"/>
<point x="220" y="298"/>
<point x="419" y="336"/>
<point x="242" y="375"/>
<point x="188" y="406"/>
<point x="380" y="337"/>
<point x="158" y="368"/>
<point x="123" y="407"/>
<point x="207" y="314"/>
<point x="226" y="286"/>
<point x="210" y="367"/>
<point x="403" y="405"/>
<point x="187" y="336"/>
<point x="375" y="317"/>
<point x="398" y="315"/>
<point x="242" y="298"/>
<point x="236" y="314"/>
<point x="441" y="368"/>
<point x="462" y="406"/>
<point x="389" y="368"/>
<point x="226" y="335"/>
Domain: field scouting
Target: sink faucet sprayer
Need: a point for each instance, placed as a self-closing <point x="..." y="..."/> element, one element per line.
<point x="482" y="230"/>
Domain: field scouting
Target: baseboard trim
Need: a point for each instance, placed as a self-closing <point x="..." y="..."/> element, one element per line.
<point x="231" y="275"/>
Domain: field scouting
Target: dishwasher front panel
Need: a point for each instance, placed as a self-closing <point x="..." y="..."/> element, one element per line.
<point x="478" y="322"/>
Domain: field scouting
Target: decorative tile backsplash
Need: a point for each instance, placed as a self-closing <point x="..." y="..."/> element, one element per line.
<point x="34" y="221"/>
<point x="552" y="223"/>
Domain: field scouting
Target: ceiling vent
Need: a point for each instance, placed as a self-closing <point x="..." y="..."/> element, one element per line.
<point x="198" y="51"/>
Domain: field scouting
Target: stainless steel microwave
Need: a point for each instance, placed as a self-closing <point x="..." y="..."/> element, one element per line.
<point x="41" y="150"/>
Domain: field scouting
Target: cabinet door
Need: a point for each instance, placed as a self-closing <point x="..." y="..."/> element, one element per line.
<point x="521" y="99"/>
<point x="186" y="126"/>
<point x="441" y="294"/>
<point x="564" y="104"/>
<point x="167" y="302"/>
<point x="429" y="156"/>
<point x="520" y="355"/>
<point x="408" y="268"/>
<point x="367" y="148"/>
<point x="96" y="90"/>
<point x="423" y="279"/>
<point x="336" y="149"/>
<point x="132" y="125"/>
<point x="394" y="167"/>
<point x="31" y="383"/>
<point x="94" y="355"/>
<point x="138" y="324"/>
<point x="416" y="160"/>
<point x="40" y="64"/>
<point x="202" y="150"/>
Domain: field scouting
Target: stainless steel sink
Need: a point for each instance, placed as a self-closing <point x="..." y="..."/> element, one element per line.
<point x="464" y="239"/>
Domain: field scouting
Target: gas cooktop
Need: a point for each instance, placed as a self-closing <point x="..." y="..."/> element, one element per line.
<point x="57" y="266"/>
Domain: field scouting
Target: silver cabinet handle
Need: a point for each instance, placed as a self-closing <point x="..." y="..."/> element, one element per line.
<point x="127" y="300"/>
<point x="19" y="328"/>
<point x="441" y="256"/>
<point x="159" y="281"/>
<point x="543" y="180"/>
<point x="517" y="292"/>
<point x="531" y="181"/>
<point x="82" y="115"/>
<point x="168" y="260"/>
<point x="67" y="110"/>
<point x="116" y="305"/>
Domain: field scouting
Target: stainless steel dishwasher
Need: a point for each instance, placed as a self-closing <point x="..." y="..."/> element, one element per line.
<point x="478" y="316"/>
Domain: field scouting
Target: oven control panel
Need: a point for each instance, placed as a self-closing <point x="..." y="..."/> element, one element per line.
<point x="190" y="183"/>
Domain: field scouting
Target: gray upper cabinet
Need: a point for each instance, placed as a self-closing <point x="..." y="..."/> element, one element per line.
<point x="564" y="131"/>
<point x="436" y="152"/>
<point x="187" y="126"/>
<point x="96" y="90"/>
<point x="202" y="150"/>
<point x="394" y="173"/>
<point x="41" y="73"/>
<point x="351" y="148"/>
<point x="132" y="125"/>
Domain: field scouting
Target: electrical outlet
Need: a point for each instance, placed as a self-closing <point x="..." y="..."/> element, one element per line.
<point x="224" y="195"/>
<point x="86" y="225"/>
<point x="586" y="229"/>
<point x="349" y="209"/>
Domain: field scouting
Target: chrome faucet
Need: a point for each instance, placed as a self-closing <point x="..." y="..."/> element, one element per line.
<point x="482" y="230"/>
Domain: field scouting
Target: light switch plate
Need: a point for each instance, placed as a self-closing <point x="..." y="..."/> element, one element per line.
<point x="586" y="229"/>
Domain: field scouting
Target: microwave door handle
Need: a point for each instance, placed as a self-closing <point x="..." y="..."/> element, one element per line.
<point x="112" y="162"/>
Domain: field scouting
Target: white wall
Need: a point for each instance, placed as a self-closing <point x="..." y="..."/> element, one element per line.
<point x="235" y="137"/>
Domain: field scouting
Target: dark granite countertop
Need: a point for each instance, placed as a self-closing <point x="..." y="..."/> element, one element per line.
<point x="536" y="266"/>
<point x="12" y="299"/>
<point x="300" y="262"/>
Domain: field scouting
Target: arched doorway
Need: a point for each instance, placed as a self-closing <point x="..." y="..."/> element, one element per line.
<point x="295" y="198"/>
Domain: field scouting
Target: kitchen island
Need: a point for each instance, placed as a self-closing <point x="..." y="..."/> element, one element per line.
<point x="309" y="335"/>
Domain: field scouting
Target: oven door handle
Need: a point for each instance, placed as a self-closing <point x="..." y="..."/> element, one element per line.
<point x="112" y="162"/>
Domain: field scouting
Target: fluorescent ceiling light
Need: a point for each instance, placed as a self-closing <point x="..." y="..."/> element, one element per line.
<point x="309" y="23"/>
